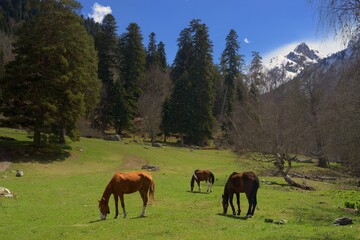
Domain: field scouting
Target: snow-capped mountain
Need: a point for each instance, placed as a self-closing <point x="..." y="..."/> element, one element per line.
<point x="293" y="63"/>
<point x="305" y="63"/>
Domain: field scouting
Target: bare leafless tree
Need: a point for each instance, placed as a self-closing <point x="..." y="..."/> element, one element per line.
<point x="344" y="136"/>
<point x="272" y="124"/>
<point x="155" y="88"/>
<point x="339" y="16"/>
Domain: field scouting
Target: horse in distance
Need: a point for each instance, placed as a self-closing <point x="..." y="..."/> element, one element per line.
<point x="126" y="183"/>
<point x="246" y="182"/>
<point x="202" y="175"/>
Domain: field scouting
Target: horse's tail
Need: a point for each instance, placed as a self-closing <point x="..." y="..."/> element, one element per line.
<point x="212" y="178"/>
<point x="152" y="190"/>
<point x="194" y="175"/>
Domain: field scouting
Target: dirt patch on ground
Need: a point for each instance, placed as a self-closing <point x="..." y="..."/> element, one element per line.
<point x="7" y="156"/>
<point x="4" y="166"/>
<point x="132" y="163"/>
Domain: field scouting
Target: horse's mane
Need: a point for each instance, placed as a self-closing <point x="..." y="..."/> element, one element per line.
<point x="108" y="189"/>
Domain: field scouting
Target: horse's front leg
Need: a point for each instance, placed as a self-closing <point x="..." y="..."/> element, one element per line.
<point x="231" y="202"/>
<point x="238" y="203"/>
<point x="122" y="204"/>
<point x="116" y="198"/>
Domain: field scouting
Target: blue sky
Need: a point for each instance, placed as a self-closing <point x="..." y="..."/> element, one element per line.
<point x="270" y="27"/>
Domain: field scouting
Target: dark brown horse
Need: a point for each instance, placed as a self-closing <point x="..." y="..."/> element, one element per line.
<point x="246" y="182"/>
<point x="125" y="183"/>
<point x="202" y="175"/>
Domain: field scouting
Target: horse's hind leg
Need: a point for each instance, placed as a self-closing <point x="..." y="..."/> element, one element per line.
<point x="231" y="202"/>
<point x="238" y="203"/>
<point x="198" y="183"/>
<point x="254" y="204"/>
<point x="208" y="183"/>
<point x="123" y="204"/>
<point x="144" y="197"/>
<point x="251" y="203"/>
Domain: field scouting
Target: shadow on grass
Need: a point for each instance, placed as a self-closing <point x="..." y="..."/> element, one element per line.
<point x="138" y="217"/>
<point x="197" y="192"/>
<point x="95" y="221"/>
<point x="24" y="151"/>
<point x="233" y="216"/>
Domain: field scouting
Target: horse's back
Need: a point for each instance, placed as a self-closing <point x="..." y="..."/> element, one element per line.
<point x="242" y="182"/>
<point x="131" y="181"/>
<point x="202" y="175"/>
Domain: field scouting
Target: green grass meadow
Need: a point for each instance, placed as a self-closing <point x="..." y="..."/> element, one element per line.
<point x="57" y="196"/>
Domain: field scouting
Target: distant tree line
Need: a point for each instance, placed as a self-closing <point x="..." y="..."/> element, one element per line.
<point x="66" y="67"/>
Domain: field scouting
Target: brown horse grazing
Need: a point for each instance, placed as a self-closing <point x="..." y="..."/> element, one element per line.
<point x="125" y="183"/>
<point x="202" y="175"/>
<point x="246" y="182"/>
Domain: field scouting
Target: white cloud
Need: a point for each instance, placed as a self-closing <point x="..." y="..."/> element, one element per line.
<point x="99" y="12"/>
<point x="325" y="48"/>
<point x="246" y="40"/>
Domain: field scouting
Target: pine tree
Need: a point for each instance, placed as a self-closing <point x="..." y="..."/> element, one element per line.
<point x="162" y="56"/>
<point x="53" y="80"/>
<point x="202" y="84"/>
<point x="91" y="26"/>
<point x="151" y="52"/>
<point x="132" y="65"/>
<point x="231" y="68"/>
<point x="107" y="47"/>
<point x="256" y="75"/>
<point x="165" y="126"/>
<point x="192" y="99"/>
<point x="183" y="56"/>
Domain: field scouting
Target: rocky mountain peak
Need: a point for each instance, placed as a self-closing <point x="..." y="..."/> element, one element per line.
<point x="295" y="61"/>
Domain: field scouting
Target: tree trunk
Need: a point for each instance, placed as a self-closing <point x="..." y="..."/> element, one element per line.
<point x="62" y="135"/>
<point x="323" y="162"/>
<point x="280" y="162"/>
<point x="37" y="137"/>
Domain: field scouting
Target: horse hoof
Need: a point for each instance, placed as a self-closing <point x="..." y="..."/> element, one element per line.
<point x="249" y="216"/>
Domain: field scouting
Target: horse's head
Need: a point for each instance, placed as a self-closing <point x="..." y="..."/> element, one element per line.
<point x="104" y="209"/>
<point x="225" y="203"/>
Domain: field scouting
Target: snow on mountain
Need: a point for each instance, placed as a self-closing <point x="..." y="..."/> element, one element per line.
<point x="294" y="62"/>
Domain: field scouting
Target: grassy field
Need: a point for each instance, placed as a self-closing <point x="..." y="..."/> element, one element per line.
<point x="57" y="196"/>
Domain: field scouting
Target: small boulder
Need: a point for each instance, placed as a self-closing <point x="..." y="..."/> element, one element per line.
<point x="5" y="192"/>
<point x="19" y="173"/>
<point x="155" y="144"/>
<point x="152" y="168"/>
<point x="114" y="137"/>
<point x="343" y="221"/>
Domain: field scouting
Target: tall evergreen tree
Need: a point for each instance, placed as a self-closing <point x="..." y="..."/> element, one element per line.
<point x="162" y="55"/>
<point x="193" y="96"/>
<point x="132" y="64"/>
<point x="183" y="56"/>
<point x="256" y="75"/>
<point x="91" y="26"/>
<point x="53" y="80"/>
<point x="151" y="52"/>
<point x="231" y="64"/>
<point x="165" y="125"/>
<point x="107" y="47"/>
